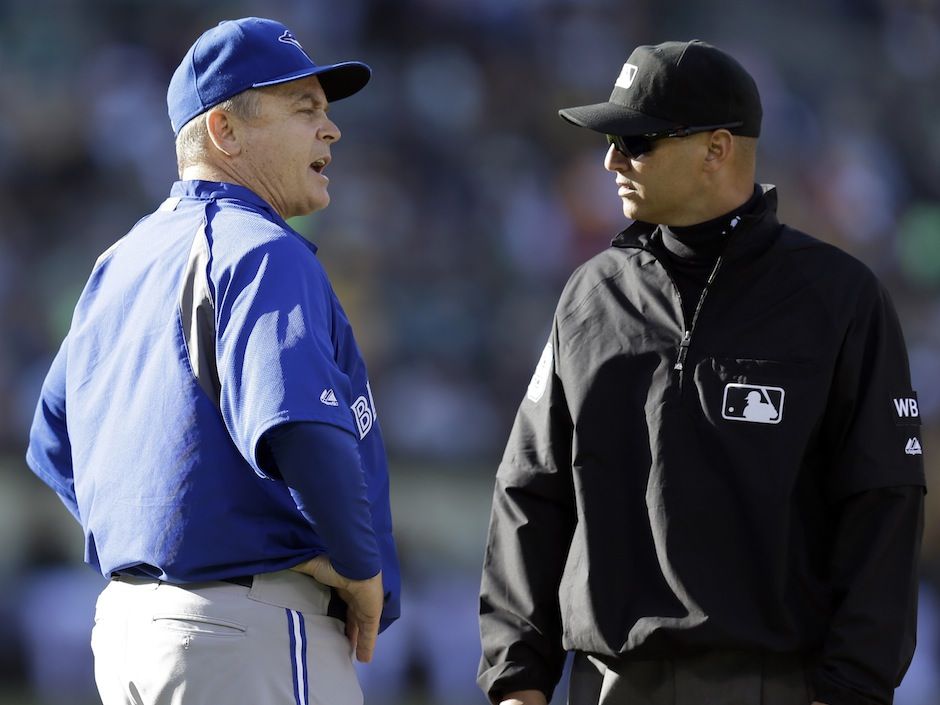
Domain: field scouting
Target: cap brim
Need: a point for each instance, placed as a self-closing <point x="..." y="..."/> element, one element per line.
<point x="614" y="119"/>
<point x="337" y="80"/>
<point x="344" y="79"/>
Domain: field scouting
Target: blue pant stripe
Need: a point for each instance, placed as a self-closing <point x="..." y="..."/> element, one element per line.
<point x="303" y="657"/>
<point x="293" y="655"/>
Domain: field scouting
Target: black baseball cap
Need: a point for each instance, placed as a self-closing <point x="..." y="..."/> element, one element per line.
<point x="673" y="85"/>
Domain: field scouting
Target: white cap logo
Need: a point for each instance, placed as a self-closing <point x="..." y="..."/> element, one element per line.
<point x="289" y="38"/>
<point x="627" y="74"/>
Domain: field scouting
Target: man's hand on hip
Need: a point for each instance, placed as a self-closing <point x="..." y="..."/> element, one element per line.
<point x="363" y="598"/>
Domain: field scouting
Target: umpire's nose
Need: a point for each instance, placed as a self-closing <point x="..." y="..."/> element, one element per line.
<point x="616" y="160"/>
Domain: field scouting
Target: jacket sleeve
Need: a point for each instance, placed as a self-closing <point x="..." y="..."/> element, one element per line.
<point x="320" y="464"/>
<point x="874" y="572"/>
<point x="531" y="525"/>
<point x="872" y="423"/>
<point x="876" y="489"/>
<point x="49" y="454"/>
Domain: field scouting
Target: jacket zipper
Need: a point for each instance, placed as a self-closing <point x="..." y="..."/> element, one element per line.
<point x="687" y="335"/>
<point x="688" y="329"/>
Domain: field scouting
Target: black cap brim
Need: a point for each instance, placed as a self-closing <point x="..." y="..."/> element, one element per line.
<point x="343" y="80"/>
<point x="614" y="119"/>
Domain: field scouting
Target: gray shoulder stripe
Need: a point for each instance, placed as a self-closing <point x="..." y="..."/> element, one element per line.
<point x="107" y="253"/>
<point x="197" y="314"/>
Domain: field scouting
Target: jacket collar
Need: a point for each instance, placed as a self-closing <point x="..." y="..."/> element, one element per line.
<point x="214" y="190"/>
<point x="756" y="233"/>
<point x="221" y="190"/>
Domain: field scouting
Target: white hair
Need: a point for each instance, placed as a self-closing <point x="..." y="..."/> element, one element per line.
<point x="193" y="139"/>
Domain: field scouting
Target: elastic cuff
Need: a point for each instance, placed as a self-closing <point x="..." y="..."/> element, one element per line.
<point x="825" y="691"/>
<point x="357" y="568"/>
<point x="497" y="685"/>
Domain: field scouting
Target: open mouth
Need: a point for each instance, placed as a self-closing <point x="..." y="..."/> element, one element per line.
<point x="320" y="164"/>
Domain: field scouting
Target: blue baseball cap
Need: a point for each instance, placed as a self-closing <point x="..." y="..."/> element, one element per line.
<point x="249" y="53"/>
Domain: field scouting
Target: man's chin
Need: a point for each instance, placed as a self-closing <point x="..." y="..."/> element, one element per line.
<point x="311" y="207"/>
<point x="319" y="202"/>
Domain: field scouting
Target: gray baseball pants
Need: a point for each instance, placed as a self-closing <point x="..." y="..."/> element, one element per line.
<point x="211" y="643"/>
<point x="727" y="678"/>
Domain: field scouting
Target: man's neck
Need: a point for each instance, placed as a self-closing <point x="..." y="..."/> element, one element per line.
<point x="207" y="172"/>
<point x="722" y="223"/>
<point x="715" y="205"/>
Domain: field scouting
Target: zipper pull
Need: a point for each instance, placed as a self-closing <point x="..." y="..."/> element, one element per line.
<point x="683" y="350"/>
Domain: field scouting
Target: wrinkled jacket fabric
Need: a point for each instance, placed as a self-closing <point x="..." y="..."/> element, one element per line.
<point x="638" y="515"/>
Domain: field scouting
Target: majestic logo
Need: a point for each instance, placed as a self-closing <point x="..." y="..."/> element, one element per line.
<point x="627" y="74"/>
<point x="753" y="403"/>
<point x="913" y="447"/>
<point x="328" y="397"/>
<point x="906" y="408"/>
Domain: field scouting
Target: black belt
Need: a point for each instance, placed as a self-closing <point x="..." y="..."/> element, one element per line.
<point x="243" y="580"/>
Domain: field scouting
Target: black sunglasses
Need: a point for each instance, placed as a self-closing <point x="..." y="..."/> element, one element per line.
<point x="635" y="145"/>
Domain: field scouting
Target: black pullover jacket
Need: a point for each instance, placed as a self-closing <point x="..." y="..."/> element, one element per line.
<point x="747" y="475"/>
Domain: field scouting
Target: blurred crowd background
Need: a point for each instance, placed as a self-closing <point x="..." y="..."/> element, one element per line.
<point x="461" y="203"/>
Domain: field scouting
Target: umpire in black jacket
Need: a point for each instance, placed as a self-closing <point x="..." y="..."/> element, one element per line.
<point x="713" y="490"/>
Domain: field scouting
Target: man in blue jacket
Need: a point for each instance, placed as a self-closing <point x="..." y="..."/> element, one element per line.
<point x="209" y="420"/>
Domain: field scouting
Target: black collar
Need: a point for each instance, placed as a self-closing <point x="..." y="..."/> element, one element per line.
<point x="756" y="232"/>
<point x="704" y="242"/>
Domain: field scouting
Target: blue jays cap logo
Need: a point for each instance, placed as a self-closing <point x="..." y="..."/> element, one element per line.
<point x="289" y="38"/>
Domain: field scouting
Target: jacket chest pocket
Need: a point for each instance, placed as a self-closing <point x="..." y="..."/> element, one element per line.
<point x="757" y="423"/>
<point x="764" y="401"/>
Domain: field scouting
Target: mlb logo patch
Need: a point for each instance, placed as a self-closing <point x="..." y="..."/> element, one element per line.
<point x="753" y="403"/>
<point x="627" y="74"/>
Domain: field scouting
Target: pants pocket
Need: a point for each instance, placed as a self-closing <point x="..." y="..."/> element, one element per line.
<point x="198" y="624"/>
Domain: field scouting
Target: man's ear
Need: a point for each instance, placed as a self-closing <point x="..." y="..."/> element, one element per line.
<point x="222" y="128"/>
<point x="720" y="147"/>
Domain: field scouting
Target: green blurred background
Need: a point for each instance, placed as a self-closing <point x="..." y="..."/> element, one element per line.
<point x="461" y="203"/>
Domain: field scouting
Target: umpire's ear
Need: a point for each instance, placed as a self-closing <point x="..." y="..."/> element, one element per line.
<point x="220" y="126"/>
<point x="720" y="147"/>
